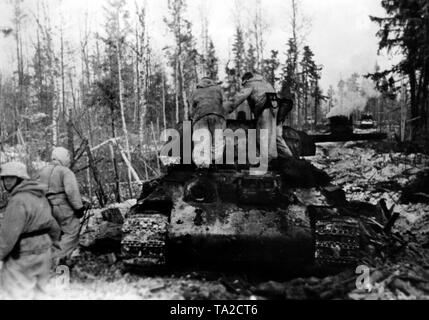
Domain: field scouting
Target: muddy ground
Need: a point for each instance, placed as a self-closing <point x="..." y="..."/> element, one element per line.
<point x="401" y="272"/>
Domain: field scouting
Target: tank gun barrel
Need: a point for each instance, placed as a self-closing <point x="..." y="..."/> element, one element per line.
<point x="319" y="138"/>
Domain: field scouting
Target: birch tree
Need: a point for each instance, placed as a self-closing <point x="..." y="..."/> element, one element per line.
<point x="258" y="28"/>
<point x="118" y="38"/>
<point x="141" y="71"/>
<point x="184" y="55"/>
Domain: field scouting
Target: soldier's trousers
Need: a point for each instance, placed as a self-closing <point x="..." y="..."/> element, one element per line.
<point x="26" y="276"/>
<point x="282" y="147"/>
<point x="268" y="121"/>
<point x="211" y="123"/>
<point x="69" y="225"/>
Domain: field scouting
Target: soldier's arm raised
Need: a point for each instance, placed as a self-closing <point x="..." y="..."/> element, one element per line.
<point x="230" y="106"/>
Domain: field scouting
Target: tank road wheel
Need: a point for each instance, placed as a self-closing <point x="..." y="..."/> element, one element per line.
<point x="337" y="242"/>
<point x="144" y="240"/>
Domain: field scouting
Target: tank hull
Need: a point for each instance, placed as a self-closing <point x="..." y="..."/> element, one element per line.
<point x="222" y="234"/>
<point x="230" y="219"/>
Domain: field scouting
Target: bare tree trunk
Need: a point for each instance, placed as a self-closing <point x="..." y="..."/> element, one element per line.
<point x="65" y="111"/>
<point x="403" y="112"/>
<point x="55" y="123"/>
<point x="258" y="30"/>
<point x="185" y="100"/>
<point x="143" y="48"/>
<point x="136" y="75"/>
<point x="115" y="169"/>
<point x="115" y="161"/>
<point x="317" y="103"/>
<point x="39" y="63"/>
<point x="156" y="146"/>
<point x="102" y="199"/>
<point x="179" y="71"/>
<point x="176" y="84"/>
<point x="305" y="84"/>
<point x="294" y="25"/>
<point x="138" y="107"/>
<point x="89" y="183"/>
<point x="164" y="117"/>
<point x="142" y="116"/>
<point x="158" y="131"/>
<point x="54" y="85"/>
<point x="63" y="91"/>
<point x="86" y="78"/>
<point x="19" y="101"/>
<point x="121" y="102"/>
<point x="144" y="85"/>
<point x="70" y="140"/>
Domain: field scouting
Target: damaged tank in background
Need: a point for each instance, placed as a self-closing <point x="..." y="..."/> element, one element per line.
<point x="289" y="218"/>
<point x="340" y="129"/>
<point x="367" y="122"/>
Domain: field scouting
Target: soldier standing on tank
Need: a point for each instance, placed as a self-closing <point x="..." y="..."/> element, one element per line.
<point x="256" y="90"/>
<point x="64" y="196"/>
<point x="285" y="103"/>
<point x="207" y="112"/>
<point x="27" y="234"/>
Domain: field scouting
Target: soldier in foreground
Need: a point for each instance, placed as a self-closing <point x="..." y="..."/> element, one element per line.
<point x="64" y="196"/>
<point x="207" y="112"/>
<point x="27" y="233"/>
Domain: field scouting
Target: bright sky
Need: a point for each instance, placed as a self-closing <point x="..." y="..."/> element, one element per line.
<point x="341" y="34"/>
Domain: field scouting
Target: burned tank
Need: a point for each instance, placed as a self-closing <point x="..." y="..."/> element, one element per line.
<point x="227" y="216"/>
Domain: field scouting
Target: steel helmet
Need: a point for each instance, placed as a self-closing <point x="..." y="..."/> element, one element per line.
<point x="14" y="169"/>
<point x="61" y="155"/>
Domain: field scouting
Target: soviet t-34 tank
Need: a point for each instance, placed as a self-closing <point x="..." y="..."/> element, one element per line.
<point x="227" y="217"/>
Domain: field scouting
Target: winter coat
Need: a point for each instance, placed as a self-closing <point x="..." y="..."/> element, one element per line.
<point x="254" y="91"/>
<point x="63" y="188"/>
<point x="206" y="99"/>
<point x="28" y="227"/>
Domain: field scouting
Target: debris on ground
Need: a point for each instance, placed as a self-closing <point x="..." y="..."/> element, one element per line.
<point x="394" y="266"/>
<point x="102" y="228"/>
<point x="417" y="191"/>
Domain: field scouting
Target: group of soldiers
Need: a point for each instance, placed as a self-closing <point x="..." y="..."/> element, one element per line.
<point x="41" y="224"/>
<point x="40" y="227"/>
<point x="210" y="111"/>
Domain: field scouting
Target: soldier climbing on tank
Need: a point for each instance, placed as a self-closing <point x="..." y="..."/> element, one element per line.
<point x="207" y="112"/>
<point x="262" y="99"/>
<point x="285" y="103"/>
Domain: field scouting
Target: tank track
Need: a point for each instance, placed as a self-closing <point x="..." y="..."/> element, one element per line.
<point x="337" y="242"/>
<point x="144" y="240"/>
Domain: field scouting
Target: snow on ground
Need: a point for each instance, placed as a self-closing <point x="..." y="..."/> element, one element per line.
<point x="364" y="175"/>
<point x="368" y="176"/>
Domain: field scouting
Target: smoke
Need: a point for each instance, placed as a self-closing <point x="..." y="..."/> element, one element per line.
<point x="367" y="87"/>
<point x="349" y="101"/>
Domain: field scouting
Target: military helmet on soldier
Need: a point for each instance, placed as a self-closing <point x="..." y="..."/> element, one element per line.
<point x="14" y="169"/>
